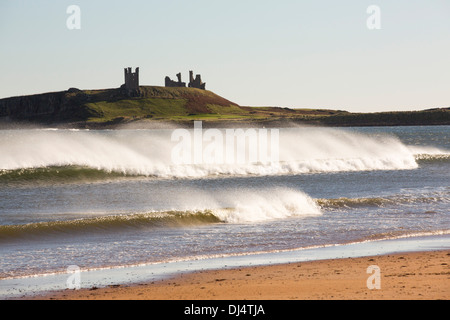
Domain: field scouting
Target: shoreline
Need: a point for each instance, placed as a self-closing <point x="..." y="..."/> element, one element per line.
<point x="207" y="124"/>
<point x="403" y="276"/>
<point x="46" y="287"/>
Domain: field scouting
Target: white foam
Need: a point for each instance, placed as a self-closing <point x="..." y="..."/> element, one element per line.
<point x="269" y="204"/>
<point x="427" y="150"/>
<point x="148" y="152"/>
<point x="245" y="205"/>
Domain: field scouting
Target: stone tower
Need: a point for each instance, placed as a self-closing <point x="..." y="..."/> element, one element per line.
<point x="197" y="82"/>
<point x="131" y="85"/>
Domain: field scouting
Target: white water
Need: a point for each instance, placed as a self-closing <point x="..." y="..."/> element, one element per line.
<point x="249" y="206"/>
<point x="148" y="153"/>
<point x="244" y="205"/>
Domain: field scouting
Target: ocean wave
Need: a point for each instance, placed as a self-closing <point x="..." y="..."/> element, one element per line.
<point x="429" y="153"/>
<point x="239" y="207"/>
<point x="230" y="207"/>
<point x="383" y="201"/>
<point x="75" y="173"/>
<point x="425" y="157"/>
<point x="57" y="174"/>
<point x="51" y="154"/>
<point x="108" y="223"/>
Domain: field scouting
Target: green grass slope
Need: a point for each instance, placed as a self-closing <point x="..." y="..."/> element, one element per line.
<point x="184" y="104"/>
<point x="159" y="103"/>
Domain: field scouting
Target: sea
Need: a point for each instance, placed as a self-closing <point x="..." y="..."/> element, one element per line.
<point x="114" y="199"/>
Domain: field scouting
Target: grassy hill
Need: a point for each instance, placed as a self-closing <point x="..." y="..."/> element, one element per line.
<point x="180" y="105"/>
<point x="159" y="103"/>
<point x="109" y="107"/>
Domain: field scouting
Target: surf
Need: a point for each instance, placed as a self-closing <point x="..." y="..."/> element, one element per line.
<point x="382" y="202"/>
<point x="195" y="208"/>
<point x="106" y="223"/>
<point x="49" y="154"/>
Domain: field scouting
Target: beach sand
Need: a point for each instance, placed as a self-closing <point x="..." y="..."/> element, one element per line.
<point x="418" y="275"/>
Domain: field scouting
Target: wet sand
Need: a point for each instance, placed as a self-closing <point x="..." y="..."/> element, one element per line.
<point x="417" y="275"/>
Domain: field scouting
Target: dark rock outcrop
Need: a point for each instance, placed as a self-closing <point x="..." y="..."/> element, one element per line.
<point x="53" y="106"/>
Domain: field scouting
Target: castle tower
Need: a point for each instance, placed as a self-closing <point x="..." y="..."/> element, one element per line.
<point x="197" y="82"/>
<point x="131" y="85"/>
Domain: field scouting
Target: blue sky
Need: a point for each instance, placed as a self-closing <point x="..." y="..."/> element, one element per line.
<point x="298" y="54"/>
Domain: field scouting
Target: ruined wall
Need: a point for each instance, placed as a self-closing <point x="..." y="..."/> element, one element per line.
<point x="197" y="82"/>
<point x="193" y="82"/>
<point x="170" y="83"/>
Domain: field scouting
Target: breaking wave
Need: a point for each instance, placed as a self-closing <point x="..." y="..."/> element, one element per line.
<point x="91" y="155"/>
<point x="229" y="207"/>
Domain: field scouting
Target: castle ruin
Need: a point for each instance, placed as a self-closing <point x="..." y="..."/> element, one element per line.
<point x="193" y="82"/>
<point x="171" y="83"/>
<point x="131" y="85"/>
<point x="197" y="82"/>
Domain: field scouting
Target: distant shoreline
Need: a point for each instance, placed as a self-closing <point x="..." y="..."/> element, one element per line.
<point x="160" y="124"/>
<point x="164" y="107"/>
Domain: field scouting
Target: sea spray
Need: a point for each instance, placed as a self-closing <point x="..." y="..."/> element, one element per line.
<point x="242" y="205"/>
<point x="263" y="205"/>
<point x="148" y="153"/>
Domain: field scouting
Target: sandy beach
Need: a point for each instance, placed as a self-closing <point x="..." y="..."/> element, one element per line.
<point x="417" y="275"/>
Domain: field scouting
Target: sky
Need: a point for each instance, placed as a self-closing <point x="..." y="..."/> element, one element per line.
<point x="285" y="53"/>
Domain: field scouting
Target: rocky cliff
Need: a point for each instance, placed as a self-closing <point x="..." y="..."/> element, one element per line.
<point x="53" y="106"/>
